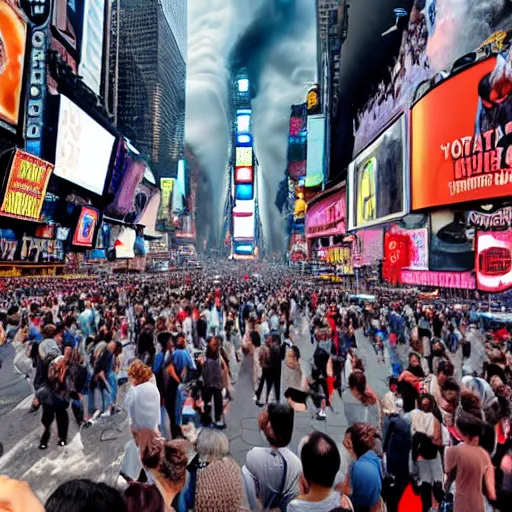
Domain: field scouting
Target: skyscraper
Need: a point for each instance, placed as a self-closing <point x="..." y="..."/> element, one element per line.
<point x="152" y="79"/>
<point x="324" y="9"/>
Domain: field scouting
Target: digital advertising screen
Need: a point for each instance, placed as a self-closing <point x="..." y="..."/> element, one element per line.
<point x="244" y="249"/>
<point x="86" y="227"/>
<point x="244" y="207"/>
<point x="91" y="61"/>
<point x="243" y="227"/>
<point x="243" y="121"/>
<point x="460" y="146"/>
<point x="84" y="148"/>
<point x="315" y="151"/>
<point x="26" y="188"/>
<point x="150" y="215"/>
<point x="243" y="157"/>
<point x="46" y="231"/>
<point x="378" y="189"/>
<point x="13" y="36"/>
<point x="244" y="192"/>
<point x="494" y="261"/>
<point x="244" y="175"/>
<point x="125" y="243"/>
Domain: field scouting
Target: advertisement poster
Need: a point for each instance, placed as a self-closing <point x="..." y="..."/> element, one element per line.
<point x="326" y="217"/>
<point x="315" y="151"/>
<point x="41" y="250"/>
<point x="86" y="227"/>
<point x="396" y="256"/>
<point x="166" y="186"/>
<point x="462" y="137"/>
<point x="91" y="62"/>
<point x="450" y="247"/>
<point x="368" y="247"/>
<point x="84" y="148"/>
<point x="455" y="280"/>
<point x="377" y="179"/>
<point x="418" y="246"/>
<point x="494" y="261"/>
<point x="13" y="35"/>
<point x="124" y="245"/>
<point x="26" y="188"/>
<point x="490" y="220"/>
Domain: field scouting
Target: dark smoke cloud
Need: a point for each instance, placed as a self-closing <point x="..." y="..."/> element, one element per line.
<point x="276" y="40"/>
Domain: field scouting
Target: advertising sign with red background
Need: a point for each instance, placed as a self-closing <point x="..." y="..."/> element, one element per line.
<point x="86" y="227"/>
<point x="461" y="141"/>
<point x="494" y="261"/>
<point x="26" y="188"/>
<point x="327" y="216"/>
<point x="418" y="246"/>
<point x="396" y="256"/>
<point x="13" y="29"/>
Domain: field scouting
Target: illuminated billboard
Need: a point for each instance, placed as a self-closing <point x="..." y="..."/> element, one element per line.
<point x="378" y="179"/>
<point x="244" y="192"/>
<point x="494" y="261"/>
<point x="91" y="62"/>
<point x="243" y="121"/>
<point x="461" y="142"/>
<point x="315" y="151"/>
<point x="166" y="186"/>
<point x="244" y="207"/>
<point x="26" y="187"/>
<point x="13" y="35"/>
<point x="243" y="157"/>
<point x="84" y="148"/>
<point x="125" y="243"/>
<point x="86" y="227"/>
<point x="243" y="227"/>
<point x="243" y="175"/>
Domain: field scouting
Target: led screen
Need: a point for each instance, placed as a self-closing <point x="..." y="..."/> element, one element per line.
<point x="84" y="148"/>
<point x="92" y="44"/>
<point x="243" y="175"/>
<point x="378" y="179"/>
<point x="243" y="121"/>
<point x="243" y="85"/>
<point x="315" y="151"/>
<point x="86" y="227"/>
<point x="244" y="140"/>
<point x="243" y="227"/>
<point x="243" y="157"/>
<point x="494" y="261"/>
<point x="244" y="192"/>
<point x="242" y="207"/>
<point x="244" y="249"/>
<point x="13" y="30"/>
<point x="124" y="245"/>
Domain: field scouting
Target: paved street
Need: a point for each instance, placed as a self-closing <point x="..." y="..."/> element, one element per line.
<point x="96" y="452"/>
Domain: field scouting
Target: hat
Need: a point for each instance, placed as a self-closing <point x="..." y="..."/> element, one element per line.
<point x="143" y="405"/>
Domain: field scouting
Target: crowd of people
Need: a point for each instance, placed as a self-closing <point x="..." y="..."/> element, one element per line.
<point x="168" y="352"/>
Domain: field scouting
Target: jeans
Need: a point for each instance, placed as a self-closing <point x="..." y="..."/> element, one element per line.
<point x="112" y="382"/>
<point x="98" y="399"/>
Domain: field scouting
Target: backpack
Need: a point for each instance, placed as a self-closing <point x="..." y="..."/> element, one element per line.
<point x="466" y="350"/>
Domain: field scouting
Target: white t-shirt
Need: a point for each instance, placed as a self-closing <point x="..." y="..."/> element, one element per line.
<point x="332" y="502"/>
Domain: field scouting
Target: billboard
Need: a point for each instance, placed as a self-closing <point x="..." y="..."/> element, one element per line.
<point x="243" y="227"/>
<point x="243" y="121"/>
<point x="84" y="148"/>
<point x="315" y="151"/>
<point x="462" y="138"/>
<point x="125" y="243"/>
<point x="326" y="217"/>
<point x="450" y="247"/>
<point x="166" y="187"/>
<point x="378" y="179"/>
<point x="91" y="62"/>
<point x="418" y="246"/>
<point x="13" y="36"/>
<point x="67" y="24"/>
<point x="86" y="227"/>
<point x="368" y="247"/>
<point x="244" y="175"/>
<point x="490" y="220"/>
<point x="397" y="256"/>
<point x="26" y="187"/>
<point x="493" y="261"/>
<point x="243" y="157"/>
<point x="244" y="192"/>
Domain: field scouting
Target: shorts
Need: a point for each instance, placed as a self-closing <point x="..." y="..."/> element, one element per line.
<point x="430" y="471"/>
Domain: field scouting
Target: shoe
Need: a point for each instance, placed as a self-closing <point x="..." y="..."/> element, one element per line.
<point x="42" y="446"/>
<point x="33" y="409"/>
<point x="255" y="398"/>
<point x="320" y="415"/>
<point x="220" y="425"/>
<point x="259" y="404"/>
<point x="106" y="414"/>
<point x="62" y="442"/>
